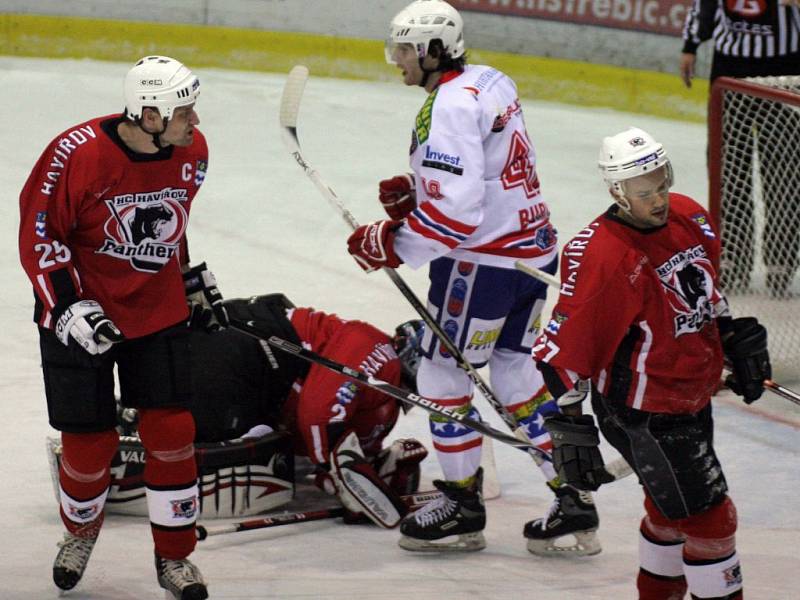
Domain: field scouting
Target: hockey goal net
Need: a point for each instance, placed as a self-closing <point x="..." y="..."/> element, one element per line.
<point x="754" y="174"/>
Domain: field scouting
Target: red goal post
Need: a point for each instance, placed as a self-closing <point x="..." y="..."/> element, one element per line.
<point x="754" y="201"/>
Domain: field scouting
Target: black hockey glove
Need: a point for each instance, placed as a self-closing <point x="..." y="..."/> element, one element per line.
<point x="85" y="324"/>
<point x="206" y="310"/>
<point x="744" y="341"/>
<point x="576" y="455"/>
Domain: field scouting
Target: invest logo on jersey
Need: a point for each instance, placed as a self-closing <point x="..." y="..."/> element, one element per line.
<point x="443" y="161"/>
<point x="145" y="228"/>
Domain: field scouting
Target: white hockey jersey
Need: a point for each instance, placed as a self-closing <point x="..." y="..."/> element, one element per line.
<point x="478" y="194"/>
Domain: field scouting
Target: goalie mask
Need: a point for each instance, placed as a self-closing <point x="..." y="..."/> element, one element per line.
<point x="422" y="22"/>
<point x="630" y="154"/>
<point x="159" y="82"/>
<point x="407" y="343"/>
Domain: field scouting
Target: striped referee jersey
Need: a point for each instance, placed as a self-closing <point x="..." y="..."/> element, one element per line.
<point x="759" y="29"/>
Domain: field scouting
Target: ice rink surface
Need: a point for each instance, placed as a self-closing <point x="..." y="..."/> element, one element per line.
<point x="262" y="227"/>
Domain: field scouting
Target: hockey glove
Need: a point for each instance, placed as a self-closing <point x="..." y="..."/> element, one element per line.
<point x="397" y="195"/>
<point x="360" y="488"/>
<point x="206" y="310"/>
<point x="86" y="324"/>
<point x="399" y="465"/>
<point x="576" y="452"/>
<point x="372" y="245"/>
<point x="744" y="341"/>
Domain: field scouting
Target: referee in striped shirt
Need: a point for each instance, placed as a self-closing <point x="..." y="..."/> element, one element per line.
<point x="754" y="38"/>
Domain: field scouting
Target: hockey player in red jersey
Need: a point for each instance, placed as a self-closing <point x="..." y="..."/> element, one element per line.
<point x="641" y="317"/>
<point x="102" y="237"/>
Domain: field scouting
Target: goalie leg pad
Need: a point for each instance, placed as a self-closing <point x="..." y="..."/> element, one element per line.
<point x="359" y="486"/>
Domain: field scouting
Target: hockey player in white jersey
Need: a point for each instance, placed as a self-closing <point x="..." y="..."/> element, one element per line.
<point x="470" y="209"/>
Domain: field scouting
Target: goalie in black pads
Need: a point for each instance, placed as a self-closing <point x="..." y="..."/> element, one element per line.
<point x="641" y="316"/>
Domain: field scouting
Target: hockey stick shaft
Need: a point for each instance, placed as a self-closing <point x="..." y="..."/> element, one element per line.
<point x="289" y="110"/>
<point x="204" y="532"/>
<point x="773" y="386"/>
<point x="782" y="391"/>
<point x="431" y="406"/>
<point x="412" y="501"/>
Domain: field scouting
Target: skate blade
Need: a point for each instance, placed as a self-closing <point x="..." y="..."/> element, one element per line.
<point x="467" y="542"/>
<point x="580" y="543"/>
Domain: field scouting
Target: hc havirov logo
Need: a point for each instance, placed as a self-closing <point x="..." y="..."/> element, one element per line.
<point x="145" y="228"/>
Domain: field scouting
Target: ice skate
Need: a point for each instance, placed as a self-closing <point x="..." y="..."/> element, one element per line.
<point x="73" y="556"/>
<point x="452" y="523"/>
<point x="181" y="579"/>
<point x="570" y="526"/>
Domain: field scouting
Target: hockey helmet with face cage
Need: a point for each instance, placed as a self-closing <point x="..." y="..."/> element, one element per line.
<point x="407" y="342"/>
<point x="631" y="153"/>
<point x="423" y="21"/>
<point x="159" y="82"/>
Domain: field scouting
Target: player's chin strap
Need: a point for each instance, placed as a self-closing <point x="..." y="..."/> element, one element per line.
<point x="426" y="73"/>
<point x="156" y="136"/>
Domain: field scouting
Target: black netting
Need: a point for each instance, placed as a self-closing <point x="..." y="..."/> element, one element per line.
<point x="760" y="214"/>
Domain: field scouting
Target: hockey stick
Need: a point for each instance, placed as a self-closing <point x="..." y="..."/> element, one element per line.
<point x="782" y="391"/>
<point x="289" y="110"/>
<point x="772" y="386"/>
<point x="248" y="328"/>
<point x="542" y="276"/>
<point x="412" y="501"/>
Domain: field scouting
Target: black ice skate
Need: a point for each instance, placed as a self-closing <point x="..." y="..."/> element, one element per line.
<point x="452" y="523"/>
<point x="570" y="526"/>
<point x="73" y="555"/>
<point x="181" y="579"/>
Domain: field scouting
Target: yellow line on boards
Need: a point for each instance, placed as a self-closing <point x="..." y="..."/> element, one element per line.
<point x="549" y="79"/>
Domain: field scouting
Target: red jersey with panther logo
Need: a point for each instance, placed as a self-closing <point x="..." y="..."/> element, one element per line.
<point x="101" y="222"/>
<point x="636" y="311"/>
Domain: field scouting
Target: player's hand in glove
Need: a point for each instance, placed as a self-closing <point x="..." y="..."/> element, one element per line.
<point x="744" y="342"/>
<point x="372" y="246"/>
<point x="398" y="196"/>
<point x="86" y="324"/>
<point x="206" y="310"/>
<point x="576" y="452"/>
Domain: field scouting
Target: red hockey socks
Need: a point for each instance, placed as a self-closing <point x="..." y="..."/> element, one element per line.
<point x="84" y="478"/>
<point x="170" y="475"/>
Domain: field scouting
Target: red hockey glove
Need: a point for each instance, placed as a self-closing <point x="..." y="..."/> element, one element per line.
<point x="372" y="246"/>
<point x="397" y="195"/>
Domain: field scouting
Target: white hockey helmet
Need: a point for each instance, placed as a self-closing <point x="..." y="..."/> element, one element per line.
<point x="630" y="154"/>
<point x="160" y="82"/>
<point x="423" y="21"/>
